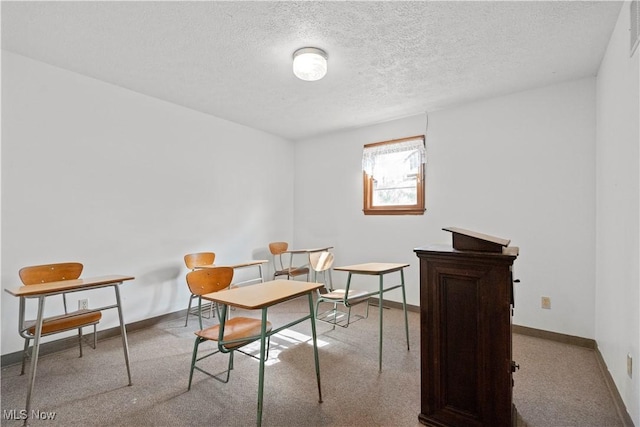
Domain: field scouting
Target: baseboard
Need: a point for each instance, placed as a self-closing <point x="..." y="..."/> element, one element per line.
<point x="611" y="385"/>
<point x="555" y="336"/>
<point x="590" y="344"/>
<point x="393" y="304"/>
<point x="71" y="342"/>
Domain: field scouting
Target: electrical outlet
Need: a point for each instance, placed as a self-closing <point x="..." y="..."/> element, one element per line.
<point x="546" y="303"/>
<point x="629" y="365"/>
<point x="83" y="304"/>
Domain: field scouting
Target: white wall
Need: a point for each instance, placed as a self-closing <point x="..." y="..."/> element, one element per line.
<point x="128" y="184"/>
<point x="618" y="213"/>
<point x="519" y="167"/>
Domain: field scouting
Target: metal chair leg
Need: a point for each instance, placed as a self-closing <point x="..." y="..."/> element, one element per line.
<point x="25" y="353"/>
<point x="186" y="320"/>
<point x="193" y="360"/>
<point x="80" y="340"/>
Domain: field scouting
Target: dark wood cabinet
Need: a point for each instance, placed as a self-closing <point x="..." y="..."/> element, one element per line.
<point x="466" y="305"/>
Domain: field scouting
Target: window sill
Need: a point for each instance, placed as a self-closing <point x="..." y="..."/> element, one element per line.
<point x="392" y="211"/>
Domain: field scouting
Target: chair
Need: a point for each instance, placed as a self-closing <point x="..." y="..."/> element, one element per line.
<point x="321" y="262"/>
<point x="192" y="261"/>
<point x="65" y="322"/>
<point x="278" y="251"/>
<point x="236" y="332"/>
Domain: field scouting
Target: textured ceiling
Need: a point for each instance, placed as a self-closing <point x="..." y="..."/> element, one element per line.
<point x="386" y="59"/>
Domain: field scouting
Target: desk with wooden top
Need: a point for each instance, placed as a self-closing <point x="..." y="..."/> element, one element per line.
<point x="307" y="251"/>
<point x="41" y="291"/>
<point x="253" y="263"/>
<point x="260" y="297"/>
<point x="380" y="269"/>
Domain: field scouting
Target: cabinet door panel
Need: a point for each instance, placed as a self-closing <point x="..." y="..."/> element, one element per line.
<point x="459" y="325"/>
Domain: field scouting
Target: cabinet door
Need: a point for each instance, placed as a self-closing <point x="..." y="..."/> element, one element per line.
<point x="466" y="342"/>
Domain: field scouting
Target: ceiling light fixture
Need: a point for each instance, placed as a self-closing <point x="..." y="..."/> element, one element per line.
<point x="310" y="63"/>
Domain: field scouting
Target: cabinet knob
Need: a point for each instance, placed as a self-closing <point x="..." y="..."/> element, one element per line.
<point x="514" y="366"/>
<point x="516" y="281"/>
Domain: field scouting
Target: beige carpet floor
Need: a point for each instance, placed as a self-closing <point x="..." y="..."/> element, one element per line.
<point x="557" y="385"/>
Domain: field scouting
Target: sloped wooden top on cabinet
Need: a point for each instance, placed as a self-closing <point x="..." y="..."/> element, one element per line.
<point x="467" y="240"/>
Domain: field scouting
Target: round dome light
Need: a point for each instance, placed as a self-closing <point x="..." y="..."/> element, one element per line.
<point x="310" y="63"/>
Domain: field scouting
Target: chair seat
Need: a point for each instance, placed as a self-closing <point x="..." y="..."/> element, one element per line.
<point x="338" y="295"/>
<point x="235" y="328"/>
<point x="65" y="322"/>
<point x="292" y="272"/>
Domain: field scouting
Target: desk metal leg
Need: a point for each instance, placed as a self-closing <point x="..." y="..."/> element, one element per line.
<point x="404" y="307"/>
<point x="263" y="334"/>
<point x="123" y="332"/>
<point x="380" y="311"/>
<point x="346" y="297"/>
<point x="34" y="357"/>
<point x="312" y="319"/>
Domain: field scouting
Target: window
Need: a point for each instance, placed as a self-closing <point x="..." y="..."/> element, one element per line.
<point x="393" y="173"/>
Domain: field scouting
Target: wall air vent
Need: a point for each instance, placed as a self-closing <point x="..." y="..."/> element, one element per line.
<point x="635" y="25"/>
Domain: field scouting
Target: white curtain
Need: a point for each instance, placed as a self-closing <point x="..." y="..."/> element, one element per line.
<point x="377" y="170"/>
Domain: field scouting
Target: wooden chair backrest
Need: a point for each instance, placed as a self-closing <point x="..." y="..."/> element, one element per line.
<point x="50" y="273"/>
<point x="321" y="261"/>
<point x="199" y="258"/>
<point x="209" y="280"/>
<point x="276" y="248"/>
